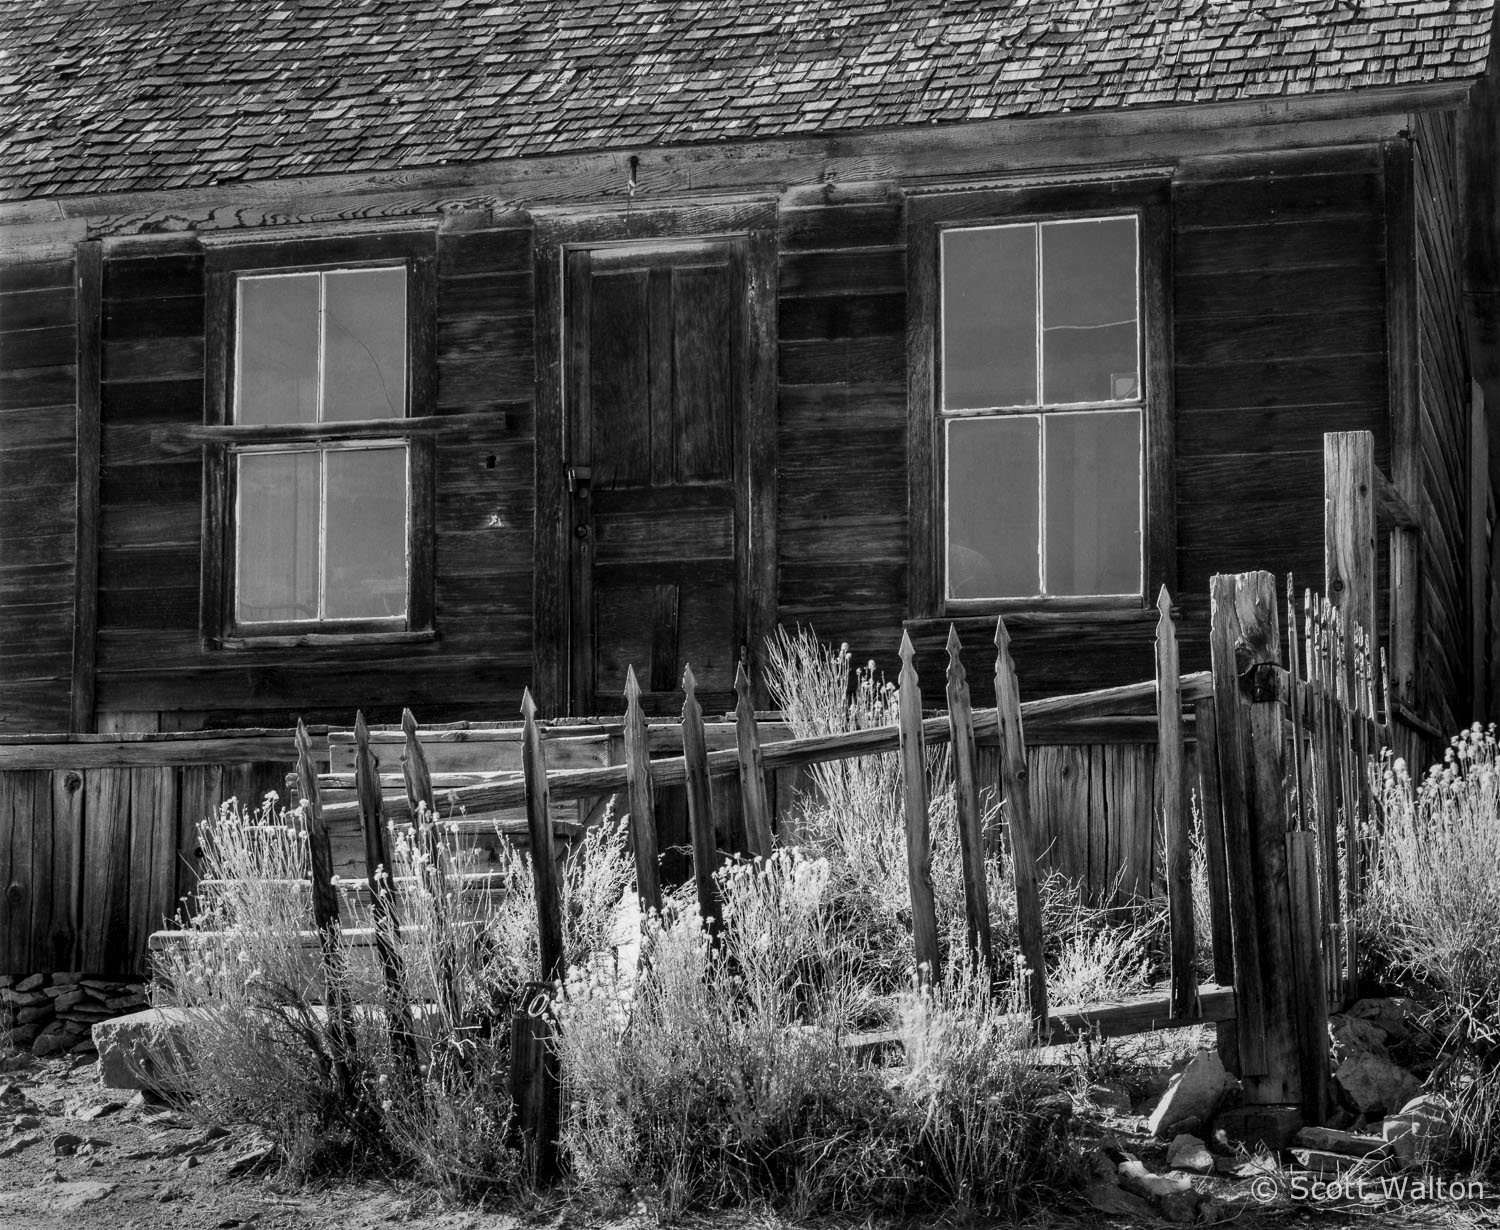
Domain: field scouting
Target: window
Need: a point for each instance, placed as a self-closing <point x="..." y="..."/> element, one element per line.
<point x="320" y="528"/>
<point x="1037" y="404"/>
<point x="318" y="523"/>
<point x="1041" y="409"/>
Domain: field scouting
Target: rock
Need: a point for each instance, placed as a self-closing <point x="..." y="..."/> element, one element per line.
<point x="67" y="979"/>
<point x="89" y="1113"/>
<point x="65" y="1144"/>
<point x="25" y="1123"/>
<point x="1350" y="1035"/>
<point x="50" y="1041"/>
<point x="1420" y="1131"/>
<point x="1322" y="1162"/>
<point x="1271" y="1126"/>
<point x="1374" y="1084"/>
<point x="190" y="1162"/>
<point x="1180" y="1208"/>
<point x="1110" y="1095"/>
<point x="1189" y="1153"/>
<point x="1194" y="1094"/>
<point x="76" y="1194"/>
<point x="84" y="1048"/>
<point x="15" y="1144"/>
<point x="32" y="983"/>
<point x="1110" y="1198"/>
<point x="168" y="1192"/>
<point x="130" y="1048"/>
<point x="1135" y="1177"/>
<point x="250" y="1160"/>
<point x="66" y="997"/>
<point x="1392" y="1015"/>
<point x="22" y="1036"/>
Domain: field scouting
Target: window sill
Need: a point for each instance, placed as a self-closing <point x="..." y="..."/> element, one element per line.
<point x="1081" y="614"/>
<point x="326" y="640"/>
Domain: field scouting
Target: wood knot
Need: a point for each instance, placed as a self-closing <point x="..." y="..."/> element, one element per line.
<point x="73" y="781"/>
<point x="15" y="893"/>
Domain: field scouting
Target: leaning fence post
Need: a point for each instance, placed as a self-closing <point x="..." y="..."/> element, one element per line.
<point x="545" y="1111"/>
<point x="325" y="904"/>
<point x="382" y="903"/>
<point x="752" y="769"/>
<point x="1014" y="787"/>
<point x="700" y="804"/>
<point x="918" y="834"/>
<point x="642" y="800"/>
<point x="966" y="799"/>
<point x="1246" y="648"/>
<point x="1169" y="786"/>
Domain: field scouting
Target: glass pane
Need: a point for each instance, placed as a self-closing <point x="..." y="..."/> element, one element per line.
<point x="364" y="357"/>
<point x="993" y="507"/>
<point x="989" y="317"/>
<point x="366" y="528"/>
<point x="277" y="551"/>
<point x="1089" y="309"/>
<point x="1094" y="502"/>
<point x="277" y="354"/>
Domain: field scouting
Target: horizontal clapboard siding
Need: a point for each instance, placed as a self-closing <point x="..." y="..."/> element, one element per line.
<point x="841" y="423"/>
<point x="1279" y="336"/>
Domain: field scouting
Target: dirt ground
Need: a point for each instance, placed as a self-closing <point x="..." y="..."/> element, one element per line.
<point x="74" y="1156"/>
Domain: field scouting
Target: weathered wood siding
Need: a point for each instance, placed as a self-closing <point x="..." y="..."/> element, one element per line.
<point x="841" y="440"/>
<point x="1280" y="317"/>
<point x="38" y="356"/>
<point x="96" y="858"/>
<point x="1443" y="423"/>
<point x="150" y="655"/>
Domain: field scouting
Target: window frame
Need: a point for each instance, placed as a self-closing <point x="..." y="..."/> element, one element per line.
<point x="929" y="214"/>
<point x="413" y="251"/>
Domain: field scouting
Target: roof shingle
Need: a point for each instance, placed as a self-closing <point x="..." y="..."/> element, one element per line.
<point x="118" y="95"/>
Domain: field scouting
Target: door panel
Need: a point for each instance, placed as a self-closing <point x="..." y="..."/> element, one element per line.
<point x="657" y="529"/>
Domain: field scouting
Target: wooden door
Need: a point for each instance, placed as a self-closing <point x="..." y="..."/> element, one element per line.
<point x="655" y="444"/>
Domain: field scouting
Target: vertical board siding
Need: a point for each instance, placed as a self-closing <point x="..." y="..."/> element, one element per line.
<point x="38" y="476"/>
<point x="1279" y="335"/>
<point x="1443" y="417"/>
<point x="841" y="422"/>
<point x="92" y="861"/>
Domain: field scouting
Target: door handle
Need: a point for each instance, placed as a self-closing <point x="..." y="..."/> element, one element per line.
<point x="579" y="478"/>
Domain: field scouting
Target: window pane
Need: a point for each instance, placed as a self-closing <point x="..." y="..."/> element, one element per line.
<point x="366" y="528"/>
<point x="277" y="354"/>
<point x="989" y="317"/>
<point x="992" y="507"/>
<point x="1089" y="308"/>
<point x="277" y="552"/>
<point x="364" y="357"/>
<point x="1093" y="502"/>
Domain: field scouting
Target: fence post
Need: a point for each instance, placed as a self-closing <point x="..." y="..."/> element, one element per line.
<point x="918" y="834"/>
<point x="1169" y="787"/>
<point x="700" y="804"/>
<point x="1015" y="789"/>
<point x="752" y="769"/>
<point x="1349" y="532"/>
<point x="642" y="800"/>
<point x="382" y="903"/>
<point x="1246" y="648"/>
<point x="325" y="905"/>
<point x="966" y="798"/>
<point x="543" y="1111"/>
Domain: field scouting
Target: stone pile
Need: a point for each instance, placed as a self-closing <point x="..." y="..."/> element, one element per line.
<point x="49" y="1014"/>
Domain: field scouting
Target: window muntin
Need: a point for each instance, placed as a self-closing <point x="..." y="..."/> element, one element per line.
<point x="321" y="529"/>
<point x="1042" y="407"/>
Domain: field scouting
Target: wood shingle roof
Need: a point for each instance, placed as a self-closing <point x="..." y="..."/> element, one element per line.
<point x="127" y="95"/>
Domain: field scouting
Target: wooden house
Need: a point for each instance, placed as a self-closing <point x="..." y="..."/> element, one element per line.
<point x="383" y="353"/>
